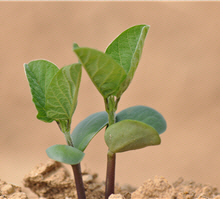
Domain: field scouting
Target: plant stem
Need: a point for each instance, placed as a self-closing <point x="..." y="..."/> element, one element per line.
<point x="65" y="128"/>
<point x="79" y="181"/>
<point x="110" y="106"/>
<point x="68" y="139"/>
<point x="110" y="177"/>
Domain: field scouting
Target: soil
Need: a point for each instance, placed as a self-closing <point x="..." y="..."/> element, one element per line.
<point x="52" y="181"/>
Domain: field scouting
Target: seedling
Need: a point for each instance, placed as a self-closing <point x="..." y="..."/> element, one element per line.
<point x="54" y="93"/>
<point x="111" y="72"/>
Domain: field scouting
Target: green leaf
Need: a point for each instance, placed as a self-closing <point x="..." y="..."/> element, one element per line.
<point x="88" y="128"/>
<point x="65" y="154"/>
<point x="39" y="74"/>
<point x="144" y="114"/>
<point x="105" y="73"/>
<point x="61" y="95"/>
<point x="126" y="50"/>
<point x="130" y="135"/>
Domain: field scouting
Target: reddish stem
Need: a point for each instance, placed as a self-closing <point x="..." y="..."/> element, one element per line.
<point x="110" y="175"/>
<point x="79" y="181"/>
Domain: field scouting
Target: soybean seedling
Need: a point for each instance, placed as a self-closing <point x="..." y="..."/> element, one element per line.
<point x="54" y="93"/>
<point x="111" y="72"/>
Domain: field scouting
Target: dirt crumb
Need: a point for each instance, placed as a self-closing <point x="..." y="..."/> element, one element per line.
<point x="10" y="191"/>
<point x="192" y="190"/>
<point x="157" y="188"/>
<point x="52" y="181"/>
<point x="115" y="196"/>
<point x="49" y="180"/>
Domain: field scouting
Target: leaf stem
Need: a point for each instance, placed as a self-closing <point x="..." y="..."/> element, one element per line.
<point x="116" y="103"/>
<point x="68" y="139"/>
<point x="64" y="126"/>
<point x="79" y="181"/>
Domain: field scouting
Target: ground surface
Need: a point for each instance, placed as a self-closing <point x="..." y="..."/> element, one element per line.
<point x="52" y="180"/>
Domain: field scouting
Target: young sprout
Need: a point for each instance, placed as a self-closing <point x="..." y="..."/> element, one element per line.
<point x="54" y="93"/>
<point x="111" y="72"/>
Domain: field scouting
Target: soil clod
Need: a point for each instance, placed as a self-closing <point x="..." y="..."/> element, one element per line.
<point x="10" y="191"/>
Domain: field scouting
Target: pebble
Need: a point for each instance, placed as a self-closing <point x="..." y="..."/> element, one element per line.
<point x="7" y="189"/>
<point x="115" y="196"/>
<point x="87" y="178"/>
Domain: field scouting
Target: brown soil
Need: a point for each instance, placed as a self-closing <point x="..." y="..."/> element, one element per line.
<point x="52" y="180"/>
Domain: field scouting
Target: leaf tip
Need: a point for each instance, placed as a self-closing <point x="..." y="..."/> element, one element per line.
<point x="146" y="27"/>
<point x="75" y="46"/>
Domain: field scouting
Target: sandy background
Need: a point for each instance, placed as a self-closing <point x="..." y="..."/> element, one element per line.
<point x="178" y="75"/>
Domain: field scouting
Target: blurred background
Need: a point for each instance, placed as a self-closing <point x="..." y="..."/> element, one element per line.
<point x="178" y="75"/>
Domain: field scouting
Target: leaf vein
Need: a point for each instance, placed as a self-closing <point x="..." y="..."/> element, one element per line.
<point x="59" y="100"/>
<point x="36" y="81"/>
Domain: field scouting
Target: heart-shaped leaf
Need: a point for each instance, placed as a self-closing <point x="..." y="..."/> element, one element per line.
<point x="39" y="74"/>
<point x="129" y="135"/>
<point x="106" y="74"/>
<point x="87" y="129"/>
<point x="126" y="50"/>
<point x="65" y="154"/>
<point x="61" y="95"/>
<point x="144" y="114"/>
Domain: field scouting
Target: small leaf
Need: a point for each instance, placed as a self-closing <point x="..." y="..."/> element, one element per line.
<point x="126" y="50"/>
<point x="88" y="128"/>
<point x="65" y="154"/>
<point x="61" y="95"/>
<point x="39" y="74"/>
<point x="144" y="114"/>
<point x="105" y="73"/>
<point x="75" y="46"/>
<point x="129" y="135"/>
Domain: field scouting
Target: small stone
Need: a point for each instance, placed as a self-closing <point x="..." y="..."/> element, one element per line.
<point x="87" y="178"/>
<point x="207" y="191"/>
<point x="3" y="197"/>
<point x="115" y="196"/>
<point x="7" y="189"/>
<point x="202" y="196"/>
<point x="217" y="197"/>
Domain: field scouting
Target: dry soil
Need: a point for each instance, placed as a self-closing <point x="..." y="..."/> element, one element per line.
<point x="52" y="180"/>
